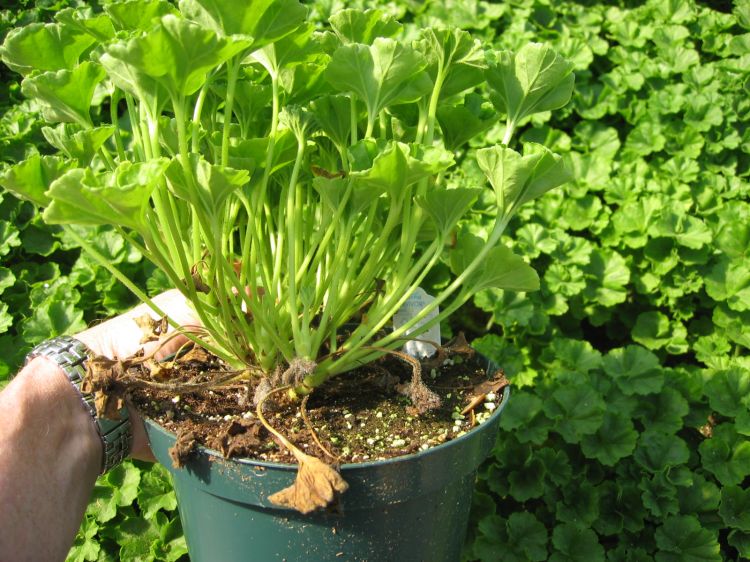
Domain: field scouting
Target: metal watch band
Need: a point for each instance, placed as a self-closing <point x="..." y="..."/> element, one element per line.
<point x="71" y="355"/>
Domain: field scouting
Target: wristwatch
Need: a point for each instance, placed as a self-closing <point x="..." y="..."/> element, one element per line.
<point x="71" y="355"/>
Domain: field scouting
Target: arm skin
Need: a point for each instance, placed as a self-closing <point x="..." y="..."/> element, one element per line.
<point x="50" y="452"/>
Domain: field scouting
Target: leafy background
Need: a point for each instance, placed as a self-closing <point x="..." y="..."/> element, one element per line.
<point x="628" y="435"/>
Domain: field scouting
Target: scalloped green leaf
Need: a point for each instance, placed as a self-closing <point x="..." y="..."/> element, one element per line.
<point x="44" y="47"/>
<point x="358" y="26"/>
<point x="187" y="53"/>
<point x="634" y="369"/>
<point x="31" y="178"/>
<point x="120" y="197"/>
<point x="533" y="79"/>
<point x="614" y="440"/>
<point x="518" y="178"/>
<point x="682" y="538"/>
<point x="380" y="74"/>
<point x="448" y="206"/>
<point x="66" y="94"/>
<point x="575" y="544"/>
<point x="728" y="391"/>
<point x="259" y="21"/>
<point x="577" y="409"/>
<point x="658" y="451"/>
<point x="137" y="15"/>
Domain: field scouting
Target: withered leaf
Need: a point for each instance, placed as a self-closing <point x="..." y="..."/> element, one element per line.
<point x="151" y="328"/>
<point x="459" y="345"/>
<point x="240" y="438"/>
<point x="159" y="371"/>
<point x="196" y="354"/>
<point x="317" y="486"/>
<point x="102" y="380"/>
<point x="183" y="448"/>
<point x="480" y="391"/>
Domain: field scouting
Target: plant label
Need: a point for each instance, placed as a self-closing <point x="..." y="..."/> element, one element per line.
<point x="419" y="348"/>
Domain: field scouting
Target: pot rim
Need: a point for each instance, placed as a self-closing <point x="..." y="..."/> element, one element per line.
<point x="494" y="418"/>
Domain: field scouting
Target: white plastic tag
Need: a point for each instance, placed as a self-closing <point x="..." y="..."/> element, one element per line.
<point x="413" y="306"/>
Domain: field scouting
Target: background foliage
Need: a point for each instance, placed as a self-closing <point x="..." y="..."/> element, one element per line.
<point x="628" y="435"/>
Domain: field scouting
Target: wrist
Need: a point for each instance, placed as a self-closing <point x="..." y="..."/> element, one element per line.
<point x="49" y="407"/>
<point x="72" y="357"/>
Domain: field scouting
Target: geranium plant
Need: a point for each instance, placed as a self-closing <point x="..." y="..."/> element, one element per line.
<point x="290" y="181"/>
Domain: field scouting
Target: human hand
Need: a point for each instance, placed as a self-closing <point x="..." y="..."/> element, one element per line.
<point x="120" y="337"/>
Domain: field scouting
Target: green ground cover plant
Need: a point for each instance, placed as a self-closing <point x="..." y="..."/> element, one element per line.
<point x="628" y="436"/>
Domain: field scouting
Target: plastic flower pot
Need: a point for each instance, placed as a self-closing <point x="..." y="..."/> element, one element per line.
<point x="411" y="508"/>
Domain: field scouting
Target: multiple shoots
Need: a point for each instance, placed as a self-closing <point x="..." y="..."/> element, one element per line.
<point x="290" y="181"/>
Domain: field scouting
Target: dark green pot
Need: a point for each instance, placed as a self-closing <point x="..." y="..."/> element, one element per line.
<point x="413" y="508"/>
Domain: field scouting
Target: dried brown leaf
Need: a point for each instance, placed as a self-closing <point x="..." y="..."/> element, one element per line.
<point x="151" y="328"/>
<point x="159" y="371"/>
<point x="240" y="438"/>
<point x="103" y="381"/>
<point x="480" y="391"/>
<point x="317" y="486"/>
<point x="184" y="447"/>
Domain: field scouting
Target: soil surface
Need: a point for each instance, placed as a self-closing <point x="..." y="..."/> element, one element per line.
<point x="356" y="417"/>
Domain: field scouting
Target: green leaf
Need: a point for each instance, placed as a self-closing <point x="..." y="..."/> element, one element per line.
<point x="9" y="237"/>
<point x="607" y="277"/>
<point x="701" y="496"/>
<point x="155" y="492"/>
<point x="136" y="535"/>
<point x="98" y="26"/>
<point x="398" y="166"/>
<point x="573" y="356"/>
<point x="517" y="179"/>
<point x="6" y="320"/>
<point x="333" y="114"/>
<point x="358" y="26"/>
<point x="78" y="145"/>
<point x="137" y="15"/>
<point x="455" y="59"/>
<point x="261" y="21"/>
<point x="577" y="409"/>
<point x="209" y="186"/>
<point x="740" y="541"/>
<point x="682" y="539"/>
<point x="52" y="318"/>
<point x="728" y="391"/>
<point x="659" y="495"/>
<point x="664" y="411"/>
<point x="564" y="280"/>
<point x="657" y="451"/>
<point x="461" y="123"/>
<point x="532" y="80"/>
<point x="527" y="537"/>
<point x="735" y="507"/>
<point x="527" y="482"/>
<point x="726" y="455"/>
<point x="448" y="206"/>
<point x="635" y="370"/>
<point x="120" y="197"/>
<point x="44" y="47"/>
<point x="614" y="440"/>
<point x="380" y="74"/>
<point x="31" y="178"/>
<point x="654" y="330"/>
<point x="187" y="53"/>
<point x="575" y="544"/>
<point x="66" y="94"/>
<point x="524" y="418"/>
<point x="501" y="268"/>
<point x="86" y="545"/>
<point x="118" y="488"/>
<point x="729" y="280"/>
